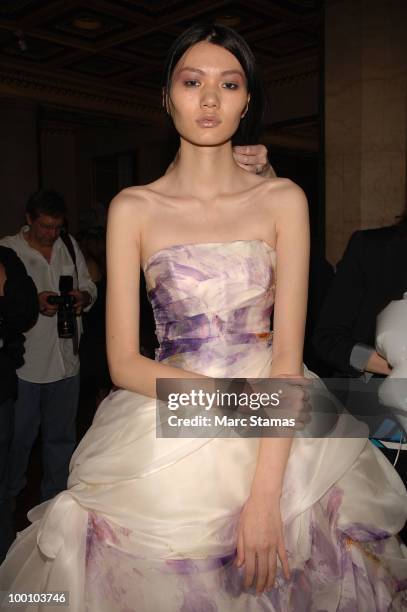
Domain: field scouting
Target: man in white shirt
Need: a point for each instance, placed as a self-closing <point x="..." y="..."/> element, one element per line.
<point x="48" y="382"/>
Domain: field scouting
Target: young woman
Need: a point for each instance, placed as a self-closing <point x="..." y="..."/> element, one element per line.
<point x="203" y="524"/>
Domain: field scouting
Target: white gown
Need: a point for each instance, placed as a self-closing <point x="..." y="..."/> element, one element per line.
<point x="149" y="524"/>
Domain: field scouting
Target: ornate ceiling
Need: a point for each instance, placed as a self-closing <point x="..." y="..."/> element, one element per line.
<point x="107" y="55"/>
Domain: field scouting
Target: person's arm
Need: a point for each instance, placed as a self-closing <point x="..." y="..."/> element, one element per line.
<point x="254" y="158"/>
<point x="290" y="310"/>
<point x="129" y="369"/>
<point x="87" y="290"/>
<point x="260" y="529"/>
<point x="373" y="363"/>
<point x="93" y="269"/>
<point x="20" y="308"/>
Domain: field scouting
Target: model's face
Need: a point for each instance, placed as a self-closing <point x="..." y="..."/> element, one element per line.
<point x="45" y="230"/>
<point x="208" y="95"/>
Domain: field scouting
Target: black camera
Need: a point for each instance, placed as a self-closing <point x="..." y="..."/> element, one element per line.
<point x="66" y="308"/>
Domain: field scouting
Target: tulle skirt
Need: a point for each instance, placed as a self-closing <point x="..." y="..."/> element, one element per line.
<point x="149" y="524"/>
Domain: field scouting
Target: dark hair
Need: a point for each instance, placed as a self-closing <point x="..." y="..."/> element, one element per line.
<point x="250" y="126"/>
<point x="43" y="202"/>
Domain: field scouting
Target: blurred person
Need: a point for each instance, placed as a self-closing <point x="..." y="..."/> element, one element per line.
<point x="371" y="273"/>
<point x="18" y="312"/>
<point x="48" y="381"/>
<point x="93" y="246"/>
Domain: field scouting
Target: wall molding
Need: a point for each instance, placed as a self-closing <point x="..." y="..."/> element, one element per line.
<point x="42" y="89"/>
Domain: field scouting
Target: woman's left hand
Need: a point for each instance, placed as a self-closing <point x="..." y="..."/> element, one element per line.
<point x="260" y="540"/>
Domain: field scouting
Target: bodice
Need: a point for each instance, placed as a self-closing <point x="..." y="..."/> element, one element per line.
<point x="212" y="303"/>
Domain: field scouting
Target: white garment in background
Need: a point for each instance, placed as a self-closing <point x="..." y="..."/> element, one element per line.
<point x="391" y="343"/>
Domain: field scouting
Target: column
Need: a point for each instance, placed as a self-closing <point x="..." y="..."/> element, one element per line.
<point x="365" y="121"/>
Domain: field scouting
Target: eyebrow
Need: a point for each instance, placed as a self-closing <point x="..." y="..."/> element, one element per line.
<point x="224" y="73"/>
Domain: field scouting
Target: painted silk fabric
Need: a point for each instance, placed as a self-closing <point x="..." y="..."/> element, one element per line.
<point x="149" y="525"/>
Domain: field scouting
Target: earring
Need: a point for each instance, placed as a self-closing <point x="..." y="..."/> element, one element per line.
<point x="243" y="115"/>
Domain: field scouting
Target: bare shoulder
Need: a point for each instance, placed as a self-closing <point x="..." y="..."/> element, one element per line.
<point x="283" y="189"/>
<point x="131" y="208"/>
<point x="141" y="197"/>
<point x="284" y="197"/>
<point x="131" y="198"/>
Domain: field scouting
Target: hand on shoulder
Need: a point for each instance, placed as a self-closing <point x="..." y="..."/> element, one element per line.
<point x="254" y="158"/>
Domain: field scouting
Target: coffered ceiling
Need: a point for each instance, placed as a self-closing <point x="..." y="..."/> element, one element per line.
<point x="107" y="55"/>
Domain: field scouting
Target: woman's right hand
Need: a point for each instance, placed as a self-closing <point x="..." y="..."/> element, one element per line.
<point x="260" y="541"/>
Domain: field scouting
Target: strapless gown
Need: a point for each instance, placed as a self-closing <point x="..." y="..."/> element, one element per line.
<point x="149" y="524"/>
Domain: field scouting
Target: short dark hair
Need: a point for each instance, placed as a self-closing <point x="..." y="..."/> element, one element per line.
<point x="44" y="202"/>
<point x="250" y="126"/>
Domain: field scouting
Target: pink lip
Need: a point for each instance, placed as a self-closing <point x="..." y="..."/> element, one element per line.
<point x="208" y="122"/>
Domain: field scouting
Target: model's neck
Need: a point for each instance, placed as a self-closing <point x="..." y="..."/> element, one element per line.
<point x="205" y="171"/>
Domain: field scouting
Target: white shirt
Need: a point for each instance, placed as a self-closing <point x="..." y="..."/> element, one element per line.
<point x="47" y="357"/>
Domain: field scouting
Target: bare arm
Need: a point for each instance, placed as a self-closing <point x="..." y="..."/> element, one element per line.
<point x="377" y="364"/>
<point x="260" y="534"/>
<point x="129" y="369"/>
<point x="289" y="323"/>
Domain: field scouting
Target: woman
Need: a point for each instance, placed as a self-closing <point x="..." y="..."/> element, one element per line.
<point x="158" y="521"/>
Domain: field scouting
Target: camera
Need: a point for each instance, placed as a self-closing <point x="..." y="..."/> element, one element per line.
<point x="66" y="308"/>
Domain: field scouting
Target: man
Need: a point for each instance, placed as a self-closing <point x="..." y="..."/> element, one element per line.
<point x="48" y="382"/>
<point x="371" y="273"/>
<point x="18" y="312"/>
